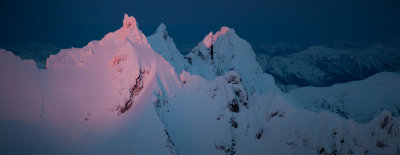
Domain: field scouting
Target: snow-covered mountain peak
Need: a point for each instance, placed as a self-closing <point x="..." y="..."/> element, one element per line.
<point x="225" y="51"/>
<point x="211" y="38"/>
<point x="129" y="31"/>
<point x="223" y="31"/>
<point x="130" y="22"/>
<point x="161" y="32"/>
<point x="127" y="65"/>
<point x="161" y="29"/>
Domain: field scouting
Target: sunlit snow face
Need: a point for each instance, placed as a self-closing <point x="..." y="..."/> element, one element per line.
<point x="82" y="90"/>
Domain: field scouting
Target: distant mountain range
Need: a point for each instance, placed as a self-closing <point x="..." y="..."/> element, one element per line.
<point x="326" y="65"/>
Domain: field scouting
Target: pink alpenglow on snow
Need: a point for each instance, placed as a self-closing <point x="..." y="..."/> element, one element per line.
<point x="211" y="38"/>
<point x="130" y="22"/>
<point x="129" y="30"/>
<point x="125" y="95"/>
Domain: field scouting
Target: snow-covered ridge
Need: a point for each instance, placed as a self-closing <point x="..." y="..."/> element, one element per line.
<point x="357" y="100"/>
<point x="119" y="96"/>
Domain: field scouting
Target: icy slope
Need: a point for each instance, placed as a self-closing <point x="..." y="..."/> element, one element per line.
<point x="324" y="66"/>
<point x="163" y="44"/>
<point x="118" y="96"/>
<point x="225" y="51"/>
<point x="358" y="100"/>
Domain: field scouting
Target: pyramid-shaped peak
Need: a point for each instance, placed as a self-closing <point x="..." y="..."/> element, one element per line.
<point x="161" y="28"/>
<point x="162" y="31"/>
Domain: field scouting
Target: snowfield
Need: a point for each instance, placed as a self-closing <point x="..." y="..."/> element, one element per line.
<point x="129" y="94"/>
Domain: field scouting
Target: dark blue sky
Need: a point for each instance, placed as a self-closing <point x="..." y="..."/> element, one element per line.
<point x="75" y="23"/>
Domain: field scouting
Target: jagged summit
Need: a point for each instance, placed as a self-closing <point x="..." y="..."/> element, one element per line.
<point x="211" y="38"/>
<point x="130" y="22"/>
<point x="223" y="31"/>
<point x="225" y="51"/>
<point x="130" y="30"/>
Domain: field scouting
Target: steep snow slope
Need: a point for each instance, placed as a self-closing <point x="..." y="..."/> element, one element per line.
<point x="118" y="96"/>
<point x="324" y="66"/>
<point x="358" y="100"/>
<point x="163" y="44"/>
<point x="225" y="51"/>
